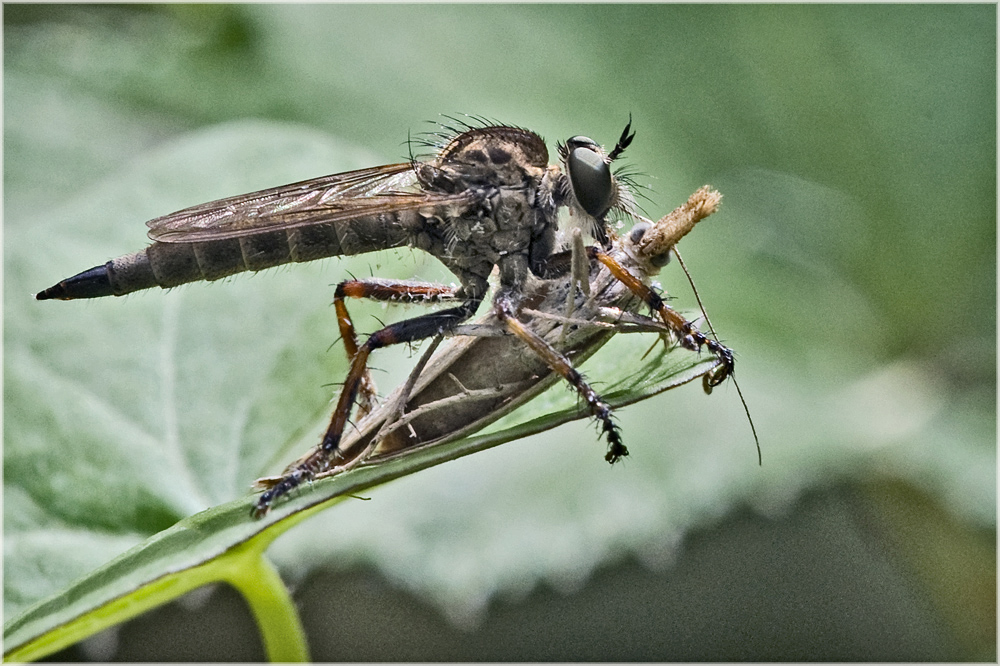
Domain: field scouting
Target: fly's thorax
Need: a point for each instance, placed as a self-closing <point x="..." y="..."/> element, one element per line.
<point x="506" y="230"/>
<point x="516" y="221"/>
<point x="486" y="157"/>
<point x="512" y="222"/>
<point x="504" y="156"/>
<point x="513" y="271"/>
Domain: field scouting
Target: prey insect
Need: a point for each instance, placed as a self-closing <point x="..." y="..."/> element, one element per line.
<point x="484" y="372"/>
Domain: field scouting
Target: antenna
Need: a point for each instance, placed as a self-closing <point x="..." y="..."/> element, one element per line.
<point x="760" y="460"/>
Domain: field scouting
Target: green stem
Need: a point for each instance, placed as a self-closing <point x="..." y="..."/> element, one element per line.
<point x="253" y="575"/>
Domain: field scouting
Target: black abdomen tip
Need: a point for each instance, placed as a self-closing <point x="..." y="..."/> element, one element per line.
<point x="93" y="283"/>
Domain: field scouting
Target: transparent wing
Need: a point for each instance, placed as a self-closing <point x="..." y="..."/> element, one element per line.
<point x="342" y="196"/>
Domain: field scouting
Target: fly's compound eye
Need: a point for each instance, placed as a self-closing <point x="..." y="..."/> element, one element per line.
<point x="590" y="176"/>
<point x="639" y="230"/>
<point x="580" y="141"/>
<point x="660" y="260"/>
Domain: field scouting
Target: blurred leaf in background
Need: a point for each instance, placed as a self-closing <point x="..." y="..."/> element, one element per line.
<point x="852" y="268"/>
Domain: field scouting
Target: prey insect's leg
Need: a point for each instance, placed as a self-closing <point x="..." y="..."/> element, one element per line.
<point x="409" y="330"/>
<point x="393" y="421"/>
<point x="379" y="290"/>
<point x="398" y="405"/>
<point x="688" y="336"/>
<point x="507" y="312"/>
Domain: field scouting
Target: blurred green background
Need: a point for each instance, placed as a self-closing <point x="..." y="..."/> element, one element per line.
<point x="852" y="268"/>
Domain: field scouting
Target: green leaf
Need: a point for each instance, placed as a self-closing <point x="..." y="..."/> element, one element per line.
<point x="192" y="552"/>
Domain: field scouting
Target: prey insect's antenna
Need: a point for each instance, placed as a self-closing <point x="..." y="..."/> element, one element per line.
<point x="701" y="306"/>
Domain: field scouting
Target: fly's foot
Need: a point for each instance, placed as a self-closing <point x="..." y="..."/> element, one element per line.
<point x="722" y="371"/>
<point x="278" y="486"/>
<point x="616" y="449"/>
<point x="320" y="462"/>
<point x="693" y="339"/>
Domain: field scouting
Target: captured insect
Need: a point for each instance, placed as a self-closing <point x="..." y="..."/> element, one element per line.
<point x="483" y="373"/>
<point x="486" y="200"/>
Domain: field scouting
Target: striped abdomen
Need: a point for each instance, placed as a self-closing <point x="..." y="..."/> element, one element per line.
<point x="168" y="265"/>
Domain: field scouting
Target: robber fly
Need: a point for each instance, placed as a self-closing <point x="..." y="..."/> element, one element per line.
<point x="487" y="200"/>
<point x="483" y="374"/>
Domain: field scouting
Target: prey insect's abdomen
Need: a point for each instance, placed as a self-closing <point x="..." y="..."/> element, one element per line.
<point x="168" y="265"/>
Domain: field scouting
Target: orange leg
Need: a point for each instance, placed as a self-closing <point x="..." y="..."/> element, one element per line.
<point x="507" y="312"/>
<point x="379" y="290"/>
<point x="688" y="336"/>
<point x="409" y="330"/>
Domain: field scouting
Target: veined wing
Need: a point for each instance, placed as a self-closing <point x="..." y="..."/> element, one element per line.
<point x="338" y="197"/>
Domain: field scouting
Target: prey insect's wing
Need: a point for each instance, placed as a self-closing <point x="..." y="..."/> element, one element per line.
<point x="334" y="198"/>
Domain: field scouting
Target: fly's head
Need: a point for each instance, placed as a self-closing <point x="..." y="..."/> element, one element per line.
<point x="589" y="187"/>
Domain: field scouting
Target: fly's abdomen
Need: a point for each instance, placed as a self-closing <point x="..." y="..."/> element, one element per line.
<point x="168" y="265"/>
